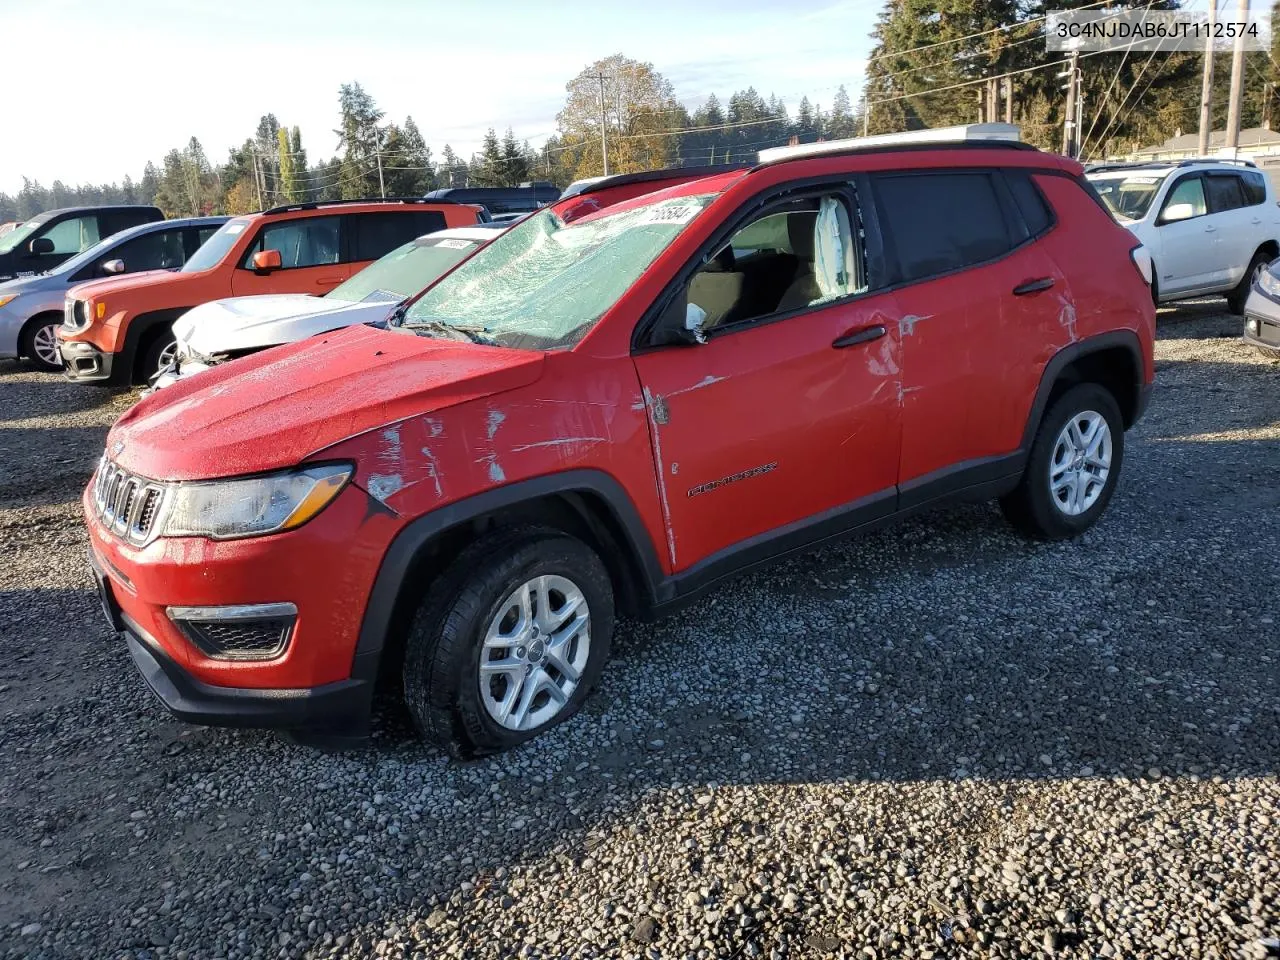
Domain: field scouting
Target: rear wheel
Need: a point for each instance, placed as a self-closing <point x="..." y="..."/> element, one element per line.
<point x="509" y="641"/>
<point x="1237" y="297"/>
<point x="40" y="342"/>
<point x="1073" y="467"/>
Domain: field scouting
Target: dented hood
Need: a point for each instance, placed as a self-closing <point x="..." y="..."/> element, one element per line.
<point x="276" y="408"/>
<point x="249" y="323"/>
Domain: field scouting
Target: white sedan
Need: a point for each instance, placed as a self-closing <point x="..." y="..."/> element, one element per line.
<point x="222" y="330"/>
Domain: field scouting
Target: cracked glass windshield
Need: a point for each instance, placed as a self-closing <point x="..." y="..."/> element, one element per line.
<point x="545" y="283"/>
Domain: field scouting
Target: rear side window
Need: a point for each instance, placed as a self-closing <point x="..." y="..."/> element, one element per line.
<point x="113" y="221"/>
<point x="377" y="234"/>
<point x="1255" y="187"/>
<point x="302" y="242"/>
<point x="1224" y="192"/>
<point x="1034" y="210"/>
<point x="941" y="222"/>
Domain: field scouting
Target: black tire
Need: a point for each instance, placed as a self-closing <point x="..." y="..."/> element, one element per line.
<point x="47" y="323"/>
<point x="1155" y="287"/>
<point x="1237" y="297"/>
<point x="442" y="654"/>
<point x="1032" y="508"/>
<point x="149" y="367"/>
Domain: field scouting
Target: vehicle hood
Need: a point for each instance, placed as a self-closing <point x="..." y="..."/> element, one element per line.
<point x="276" y="408"/>
<point x="109" y="286"/>
<point x="247" y="323"/>
<point x="37" y="284"/>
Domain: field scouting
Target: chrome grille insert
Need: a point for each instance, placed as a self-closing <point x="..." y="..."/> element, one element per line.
<point x="128" y="506"/>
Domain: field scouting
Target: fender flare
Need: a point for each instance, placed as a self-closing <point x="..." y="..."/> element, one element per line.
<point x="1127" y="339"/>
<point x="139" y="327"/>
<point x="398" y="559"/>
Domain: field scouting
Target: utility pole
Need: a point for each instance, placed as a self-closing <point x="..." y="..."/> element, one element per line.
<point x="257" y="178"/>
<point x="604" y="140"/>
<point x="866" y="115"/>
<point x="1237" y="82"/>
<point x="1206" y="85"/>
<point x="1008" y="99"/>
<point x="1069" y="131"/>
<point x="377" y="135"/>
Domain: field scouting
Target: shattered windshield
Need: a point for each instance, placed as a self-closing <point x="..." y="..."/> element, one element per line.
<point x="545" y="283"/>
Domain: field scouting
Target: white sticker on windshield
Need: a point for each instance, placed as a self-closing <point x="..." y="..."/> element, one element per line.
<point x="234" y="228"/>
<point x="1143" y="179"/>
<point x="673" y="213"/>
<point x="453" y="244"/>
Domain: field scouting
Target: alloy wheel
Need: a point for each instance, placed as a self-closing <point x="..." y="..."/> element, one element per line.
<point x="535" y="651"/>
<point x="44" y="344"/>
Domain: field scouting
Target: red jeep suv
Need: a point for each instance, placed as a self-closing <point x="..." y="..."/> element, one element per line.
<point x="661" y="380"/>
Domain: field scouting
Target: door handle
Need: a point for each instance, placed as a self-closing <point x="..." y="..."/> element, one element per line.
<point x="1256" y="220"/>
<point x="1032" y="286"/>
<point x="328" y="281"/>
<point x="861" y="335"/>
<point x="1210" y="229"/>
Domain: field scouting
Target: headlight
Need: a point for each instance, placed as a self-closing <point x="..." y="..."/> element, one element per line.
<point x="7" y="298"/>
<point x="1269" y="283"/>
<point x="230" y="509"/>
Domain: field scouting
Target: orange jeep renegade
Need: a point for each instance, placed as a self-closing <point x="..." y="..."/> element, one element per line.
<point x="119" y="331"/>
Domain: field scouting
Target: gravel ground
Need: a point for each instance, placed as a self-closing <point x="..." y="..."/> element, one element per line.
<point x="937" y="741"/>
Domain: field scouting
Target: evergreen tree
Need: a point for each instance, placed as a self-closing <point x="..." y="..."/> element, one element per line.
<point x="360" y="139"/>
<point x="290" y="184"/>
<point x="840" y="125"/>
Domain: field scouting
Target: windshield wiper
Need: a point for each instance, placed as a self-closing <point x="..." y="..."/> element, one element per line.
<point x="473" y="334"/>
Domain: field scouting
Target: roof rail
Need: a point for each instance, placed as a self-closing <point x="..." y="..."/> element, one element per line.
<point x="1232" y="160"/>
<point x="971" y="134"/>
<point x="1164" y="164"/>
<point x="594" y="184"/>
<point x="316" y="204"/>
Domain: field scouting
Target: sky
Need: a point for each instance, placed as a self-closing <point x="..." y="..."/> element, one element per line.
<point x="105" y="87"/>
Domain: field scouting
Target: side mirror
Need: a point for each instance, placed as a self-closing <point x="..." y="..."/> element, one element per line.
<point x="265" y="261"/>
<point x="1177" y="211"/>
<point x="112" y="267"/>
<point x="40" y="245"/>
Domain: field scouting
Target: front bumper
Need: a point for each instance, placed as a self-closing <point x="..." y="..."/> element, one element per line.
<point x="84" y="363"/>
<point x="1261" y="320"/>
<point x="317" y="683"/>
<point x="182" y="369"/>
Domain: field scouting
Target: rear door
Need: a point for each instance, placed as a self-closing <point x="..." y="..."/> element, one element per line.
<point x="1238" y="233"/>
<point x="372" y="236"/>
<point x="310" y="258"/>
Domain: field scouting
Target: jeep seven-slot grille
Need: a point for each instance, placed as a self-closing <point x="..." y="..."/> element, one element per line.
<point x="127" y="505"/>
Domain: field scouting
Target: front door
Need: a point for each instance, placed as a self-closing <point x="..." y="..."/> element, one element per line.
<point x="788" y="414"/>
<point x="310" y="258"/>
<point x="1190" y="254"/>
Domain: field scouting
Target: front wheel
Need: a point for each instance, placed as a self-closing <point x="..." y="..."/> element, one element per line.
<point x="1073" y="466"/>
<point x="509" y="641"/>
<point x="40" y="343"/>
<point x="160" y="355"/>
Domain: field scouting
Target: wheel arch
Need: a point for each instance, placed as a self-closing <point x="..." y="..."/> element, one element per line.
<point x="143" y="331"/>
<point x="588" y="504"/>
<point x="29" y="325"/>
<point x="1112" y="359"/>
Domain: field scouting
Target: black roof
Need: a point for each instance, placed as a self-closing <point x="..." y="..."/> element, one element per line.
<point x="94" y="208"/>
